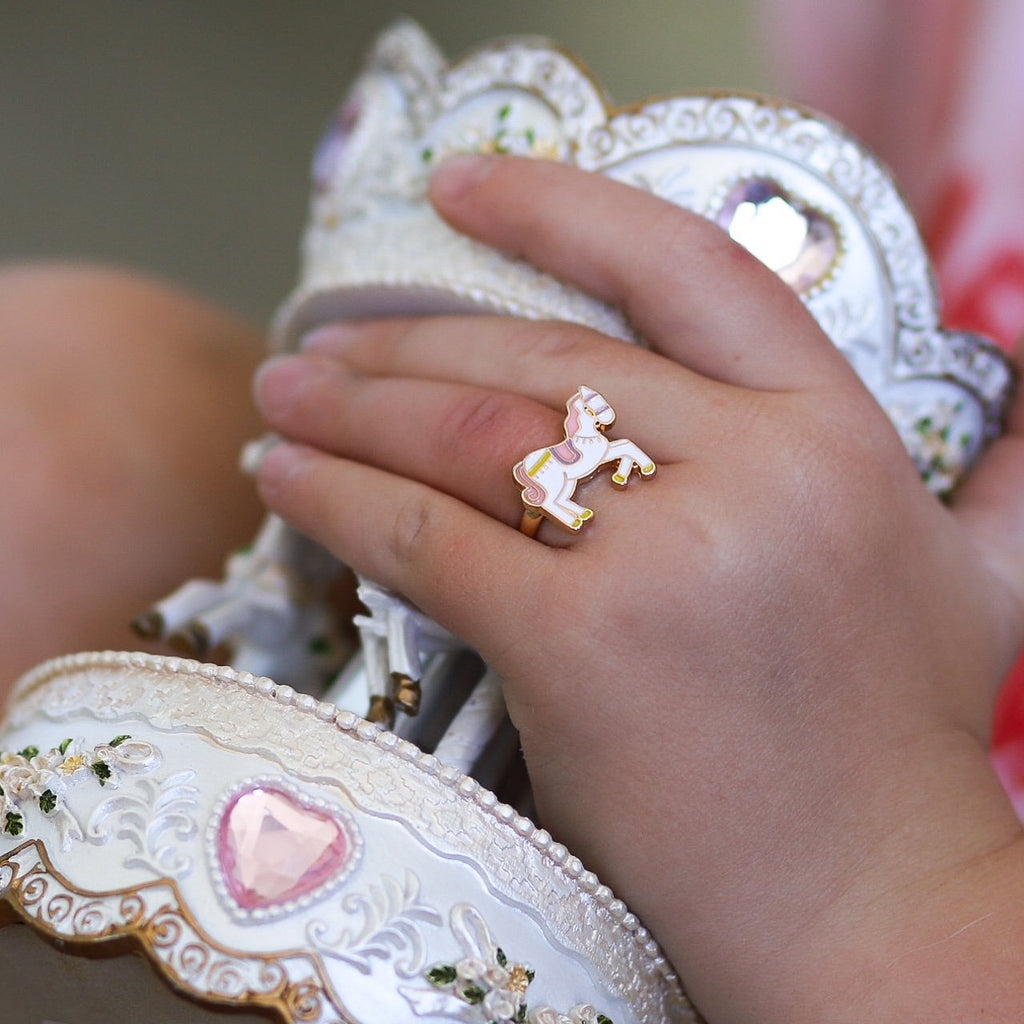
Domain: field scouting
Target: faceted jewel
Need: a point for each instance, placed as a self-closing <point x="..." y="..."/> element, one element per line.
<point x="275" y="848"/>
<point x="795" y="240"/>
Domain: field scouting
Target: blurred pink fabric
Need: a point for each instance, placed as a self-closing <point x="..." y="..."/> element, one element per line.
<point x="936" y="89"/>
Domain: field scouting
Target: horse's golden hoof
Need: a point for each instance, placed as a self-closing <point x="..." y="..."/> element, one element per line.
<point x="407" y="694"/>
<point x="381" y="711"/>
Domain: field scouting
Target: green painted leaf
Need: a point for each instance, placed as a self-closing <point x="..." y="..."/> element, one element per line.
<point x="441" y="974"/>
<point x="47" y="801"/>
<point x="63" y="748"/>
<point x="101" y="770"/>
<point x="29" y="752"/>
<point x="474" y="994"/>
<point x="15" y="824"/>
<point x="118" y="740"/>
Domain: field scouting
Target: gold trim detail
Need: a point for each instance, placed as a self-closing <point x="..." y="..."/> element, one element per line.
<point x="152" y="918"/>
<point x="540" y="463"/>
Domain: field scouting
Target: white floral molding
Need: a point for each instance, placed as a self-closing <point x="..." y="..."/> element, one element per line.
<point x="484" y="986"/>
<point x="37" y="782"/>
<point x="386" y="921"/>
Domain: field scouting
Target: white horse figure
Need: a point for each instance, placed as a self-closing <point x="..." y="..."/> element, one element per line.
<point x="549" y="476"/>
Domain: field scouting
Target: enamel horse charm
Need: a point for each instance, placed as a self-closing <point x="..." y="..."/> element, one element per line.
<point x="548" y="476"/>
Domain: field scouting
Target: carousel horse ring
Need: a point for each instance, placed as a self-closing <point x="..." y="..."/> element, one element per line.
<point x="548" y="476"/>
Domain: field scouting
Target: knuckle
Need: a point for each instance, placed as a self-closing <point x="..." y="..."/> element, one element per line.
<point x="557" y="342"/>
<point x="843" y="483"/>
<point x="411" y="529"/>
<point x="484" y="419"/>
<point x="400" y="340"/>
<point x="688" y="240"/>
<point x="683" y="239"/>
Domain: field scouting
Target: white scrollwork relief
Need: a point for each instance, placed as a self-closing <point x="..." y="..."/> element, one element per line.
<point x="392" y="913"/>
<point x="156" y="818"/>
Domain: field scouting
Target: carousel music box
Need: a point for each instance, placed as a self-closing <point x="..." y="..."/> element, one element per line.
<point x="338" y="830"/>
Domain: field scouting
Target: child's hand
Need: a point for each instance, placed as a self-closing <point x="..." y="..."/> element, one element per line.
<point x="754" y="691"/>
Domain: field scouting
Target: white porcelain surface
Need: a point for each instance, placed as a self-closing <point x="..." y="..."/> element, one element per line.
<point x="443" y="873"/>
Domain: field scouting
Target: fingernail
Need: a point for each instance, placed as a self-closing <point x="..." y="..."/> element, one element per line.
<point x="459" y="175"/>
<point x="279" y="381"/>
<point x="333" y="339"/>
<point x="279" y="466"/>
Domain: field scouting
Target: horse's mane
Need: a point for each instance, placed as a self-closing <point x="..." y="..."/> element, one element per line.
<point x="572" y="421"/>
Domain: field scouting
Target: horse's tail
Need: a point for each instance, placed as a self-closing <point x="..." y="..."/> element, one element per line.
<point x="533" y="493"/>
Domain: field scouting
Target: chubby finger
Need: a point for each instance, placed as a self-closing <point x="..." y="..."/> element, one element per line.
<point x="544" y="361"/>
<point x="457" y="438"/>
<point x="452" y="561"/>
<point x="691" y="291"/>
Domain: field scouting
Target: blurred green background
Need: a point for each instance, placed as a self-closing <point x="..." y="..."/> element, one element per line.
<point x="176" y="136"/>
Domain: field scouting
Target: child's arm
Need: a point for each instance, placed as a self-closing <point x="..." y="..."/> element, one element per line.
<point x="124" y="405"/>
<point x="753" y="692"/>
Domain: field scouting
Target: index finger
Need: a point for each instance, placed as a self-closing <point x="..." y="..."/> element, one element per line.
<point x="693" y="293"/>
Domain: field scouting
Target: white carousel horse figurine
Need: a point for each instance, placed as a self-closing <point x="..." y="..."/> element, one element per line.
<point x="397" y="641"/>
<point x="549" y="476"/>
<point x="271" y="614"/>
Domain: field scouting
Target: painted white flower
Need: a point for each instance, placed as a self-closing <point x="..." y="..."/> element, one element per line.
<point x="73" y="759"/>
<point x="470" y="969"/>
<point x="546" y="1015"/>
<point x="501" y="1005"/>
<point x="484" y="987"/>
<point x="495" y="976"/>
<point x="16" y="778"/>
<point x="50" y="769"/>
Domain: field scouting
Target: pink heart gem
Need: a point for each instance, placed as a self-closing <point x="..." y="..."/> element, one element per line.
<point x="273" y="848"/>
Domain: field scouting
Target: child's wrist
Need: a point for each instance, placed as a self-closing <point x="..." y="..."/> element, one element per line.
<point x="941" y="854"/>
